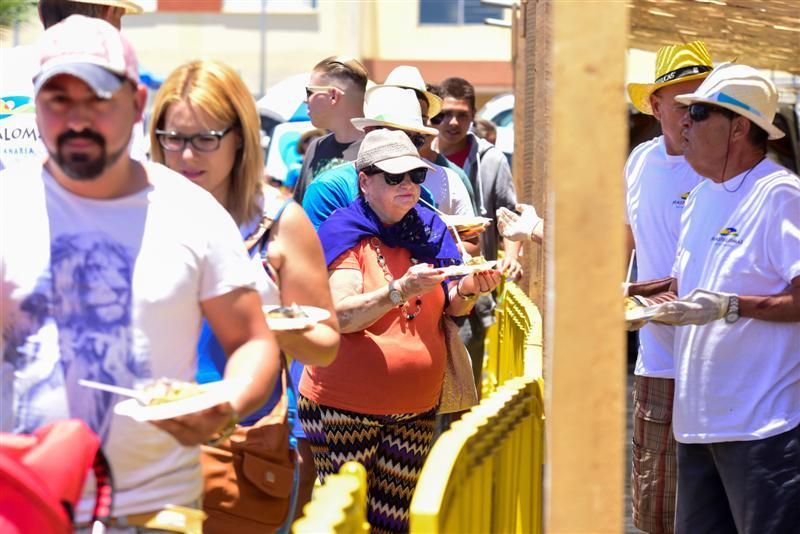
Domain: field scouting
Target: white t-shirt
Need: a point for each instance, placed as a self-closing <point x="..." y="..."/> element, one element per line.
<point x="448" y="190"/>
<point x="110" y="290"/>
<point x="739" y="381"/>
<point x="19" y="135"/>
<point x="657" y="185"/>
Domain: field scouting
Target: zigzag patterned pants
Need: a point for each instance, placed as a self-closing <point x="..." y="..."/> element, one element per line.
<point x="392" y="448"/>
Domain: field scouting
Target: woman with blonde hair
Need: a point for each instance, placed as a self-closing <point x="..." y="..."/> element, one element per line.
<point x="205" y="126"/>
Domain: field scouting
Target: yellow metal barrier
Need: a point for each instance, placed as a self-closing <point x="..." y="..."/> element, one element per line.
<point x="339" y="505"/>
<point x="485" y="473"/>
<point x="514" y="342"/>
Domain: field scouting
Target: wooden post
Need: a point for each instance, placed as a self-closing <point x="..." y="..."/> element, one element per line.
<point x="584" y="336"/>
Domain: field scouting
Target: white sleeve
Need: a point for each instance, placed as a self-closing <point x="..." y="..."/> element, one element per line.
<point x="225" y="264"/>
<point x="460" y="202"/>
<point x="783" y="236"/>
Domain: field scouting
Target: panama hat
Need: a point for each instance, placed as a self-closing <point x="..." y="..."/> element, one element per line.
<point x="131" y="8"/>
<point x="410" y="78"/>
<point x="674" y="64"/>
<point x="741" y="89"/>
<point x="389" y="150"/>
<point x="392" y="107"/>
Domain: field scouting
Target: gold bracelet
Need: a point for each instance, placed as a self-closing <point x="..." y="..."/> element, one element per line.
<point x="462" y="295"/>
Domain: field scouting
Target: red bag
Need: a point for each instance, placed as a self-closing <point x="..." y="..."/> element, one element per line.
<point x="42" y="476"/>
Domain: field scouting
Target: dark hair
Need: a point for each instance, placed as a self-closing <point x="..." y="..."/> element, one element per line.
<point x="434" y="89"/>
<point x="459" y="89"/>
<point x="54" y="11"/>
<point x="344" y="69"/>
<point x="757" y="136"/>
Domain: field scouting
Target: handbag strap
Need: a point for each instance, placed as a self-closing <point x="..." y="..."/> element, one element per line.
<point x="104" y="493"/>
<point x="283" y="403"/>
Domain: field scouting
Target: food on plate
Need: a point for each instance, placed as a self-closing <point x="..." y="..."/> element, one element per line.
<point x="475" y="260"/>
<point x="287" y="312"/>
<point x="164" y="390"/>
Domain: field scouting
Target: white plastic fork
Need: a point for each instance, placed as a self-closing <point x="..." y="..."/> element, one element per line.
<point x="139" y="395"/>
<point x="464" y="254"/>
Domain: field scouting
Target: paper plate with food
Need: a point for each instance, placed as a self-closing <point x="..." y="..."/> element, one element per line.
<point x="473" y="265"/>
<point x="165" y="398"/>
<point x="293" y="317"/>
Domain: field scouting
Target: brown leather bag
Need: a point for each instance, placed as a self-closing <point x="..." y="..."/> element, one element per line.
<point x="249" y="478"/>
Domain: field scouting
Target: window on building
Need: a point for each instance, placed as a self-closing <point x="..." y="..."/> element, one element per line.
<point x="456" y="12"/>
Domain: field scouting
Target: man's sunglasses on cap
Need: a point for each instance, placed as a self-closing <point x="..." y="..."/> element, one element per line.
<point x="701" y="111"/>
<point x="417" y="175"/>
<point x="202" y="142"/>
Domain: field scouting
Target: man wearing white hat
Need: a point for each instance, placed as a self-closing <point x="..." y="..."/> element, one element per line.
<point x="108" y="267"/>
<point x="737" y="353"/>
<point x="393" y="108"/>
<point x="19" y="140"/>
<point x="657" y="182"/>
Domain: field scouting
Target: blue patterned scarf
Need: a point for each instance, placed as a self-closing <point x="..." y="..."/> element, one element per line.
<point x="421" y="231"/>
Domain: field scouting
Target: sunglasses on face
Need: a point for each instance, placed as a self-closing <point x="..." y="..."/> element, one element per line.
<point x="311" y="90"/>
<point x="417" y="175"/>
<point x="448" y="115"/>
<point x="202" y="142"/>
<point x="700" y="112"/>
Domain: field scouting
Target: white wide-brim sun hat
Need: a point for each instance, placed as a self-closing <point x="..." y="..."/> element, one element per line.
<point x="392" y="107"/>
<point x="741" y="89"/>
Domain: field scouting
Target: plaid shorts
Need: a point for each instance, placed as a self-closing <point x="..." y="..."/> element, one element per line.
<point x="654" y="471"/>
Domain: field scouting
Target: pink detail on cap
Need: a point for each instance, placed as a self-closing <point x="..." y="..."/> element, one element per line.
<point x="79" y="39"/>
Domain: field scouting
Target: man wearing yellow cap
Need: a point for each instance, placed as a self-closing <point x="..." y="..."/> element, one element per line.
<point x="658" y="180"/>
<point x="19" y="136"/>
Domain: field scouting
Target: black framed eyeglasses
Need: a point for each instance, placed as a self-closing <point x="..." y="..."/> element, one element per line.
<point x="417" y="175"/>
<point x="701" y="111"/>
<point x="202" y="142"/>
<point x="417" y="139"/>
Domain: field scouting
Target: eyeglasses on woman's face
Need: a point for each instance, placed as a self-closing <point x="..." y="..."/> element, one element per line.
<point x="417" y="175"/>
<point x="701" y="111"/>
<point x="202" y="142"/>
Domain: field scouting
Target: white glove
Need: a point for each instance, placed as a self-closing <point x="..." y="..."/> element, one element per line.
<point x="698" y="307"/>
<point x="518" y="227"/>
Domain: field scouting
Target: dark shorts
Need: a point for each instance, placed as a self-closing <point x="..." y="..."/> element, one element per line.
<point x="654" y="469"/>
<point x="747" y="487"/>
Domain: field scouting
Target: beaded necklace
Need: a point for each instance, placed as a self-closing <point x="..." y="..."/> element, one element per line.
<point x="389" y="278"/>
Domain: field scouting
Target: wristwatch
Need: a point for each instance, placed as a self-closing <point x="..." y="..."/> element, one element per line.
<point x="394" y="294"/>
<point x="732" y="315"/>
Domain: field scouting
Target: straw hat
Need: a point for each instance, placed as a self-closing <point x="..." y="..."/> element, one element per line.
<point x="389" y="150"/>
<point x="131" y="8"/>
<point x="741" y="89"/>
<point x="392" y="107"/>
<point x="410" y="78"/>
<point x="674" y="64"/>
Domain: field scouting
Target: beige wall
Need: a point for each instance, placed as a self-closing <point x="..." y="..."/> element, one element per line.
<point x="296" y="39"/>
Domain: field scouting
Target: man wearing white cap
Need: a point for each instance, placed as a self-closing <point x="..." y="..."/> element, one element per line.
<point x="657" y="181"/>
<point x="737" y="277"/>
<point x="108" y="266"/>
<point x="20" y="137"/>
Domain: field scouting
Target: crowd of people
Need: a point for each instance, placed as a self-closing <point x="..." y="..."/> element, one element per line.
<point x="140" y="264"/>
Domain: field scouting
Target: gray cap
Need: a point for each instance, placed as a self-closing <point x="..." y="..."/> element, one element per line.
<point x="389" y="150"/>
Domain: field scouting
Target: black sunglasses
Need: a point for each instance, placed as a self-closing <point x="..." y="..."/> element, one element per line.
<point x="417" y="175"/>
<point x="701" y="111"/>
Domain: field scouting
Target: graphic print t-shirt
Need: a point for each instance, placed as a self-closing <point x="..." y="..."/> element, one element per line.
<point x="110" y="291"/>
<point x="326" y="153"/>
